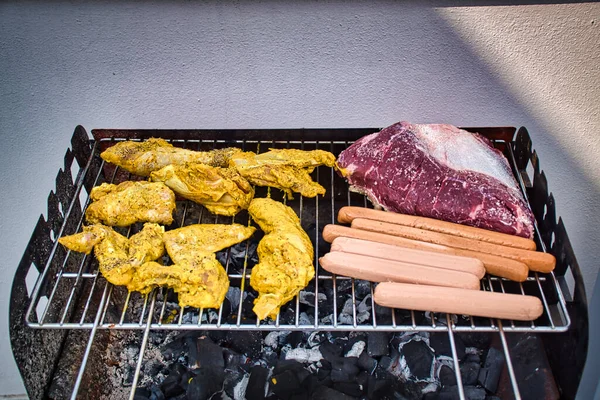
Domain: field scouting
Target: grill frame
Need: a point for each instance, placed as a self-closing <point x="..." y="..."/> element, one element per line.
<point x="43" y="251"/>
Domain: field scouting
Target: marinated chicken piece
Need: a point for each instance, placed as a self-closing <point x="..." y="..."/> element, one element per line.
<point x="141" y="158"/>
<point x="118" y="257"/>
<point x="286" y="169"/>
<point x="197" y="277"/>
<point x="131" y="202"/>
<point x="285" y="257"/>
<point x="221" y="190"/>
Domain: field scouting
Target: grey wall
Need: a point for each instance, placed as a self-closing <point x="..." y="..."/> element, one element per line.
<point x="275" y="65"/>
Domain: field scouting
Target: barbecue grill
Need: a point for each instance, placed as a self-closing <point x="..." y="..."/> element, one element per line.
<point x="62" y="310"/>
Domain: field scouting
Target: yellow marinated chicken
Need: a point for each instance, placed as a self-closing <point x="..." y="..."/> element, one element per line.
<point x="285" y="257"/>
<point x="141" y="158"/>
<point x="286" y="169"/>
<point x="118" y="257"/>
<point x="221" y="190"/>
<point x="131" y="202"/>
<point x="197" y="277"/>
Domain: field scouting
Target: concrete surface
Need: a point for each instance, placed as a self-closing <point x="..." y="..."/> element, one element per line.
<point x="269" y="64"/>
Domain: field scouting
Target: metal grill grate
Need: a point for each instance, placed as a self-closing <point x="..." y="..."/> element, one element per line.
<point x="329" y="303"/>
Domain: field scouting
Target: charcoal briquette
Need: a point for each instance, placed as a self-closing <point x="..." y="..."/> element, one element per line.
<point x="287" y="365"/>
<point x="447" y="376"/>
<point x="344" y="370"/>
<point x="257" y="382"/>
<point x="469" y="373"/>
<point x="245" y="342"/>
<point x="489" y="375"/>
<point x="170" y="385"/>
<point x="302" y="375"/>
<point x="330" y="351"/>
<point x="207" y="354"/>
<point x="366" y="363"/>
<point x="419" y="358"/>
<point x="350" y="388"/>
<point x="197" y="390"/>
<point x="326" y="393"/>
<point x="440" y="343"/>
<point x="142" y="394"/>
<point x="285" y="384"/>
<point x="323" y="373"/>
<point x="294" y="338"/>
<point x="378" y="344"/>
<point x="156" y="393"/>
<point x="472" y="357"/>
<point x="232" y="379"/>
<point x="474" y="393"/>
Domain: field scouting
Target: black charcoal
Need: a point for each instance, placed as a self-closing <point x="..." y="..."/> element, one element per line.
<point x="245" y="342"/>
<point x="489" y="375"/>
<point x="344" y="369"/>
<point x="323" y="373"/>
<point x="142" y="394"/>
<point x="325" y="393"/>
<point x="440" y="343"/>
<point x="367" y="363"/>
<point x="156" y="393"/>
<point x="233" y="381"/>
<point x="285" y="384"/>
<point x="287" y="365"/>
<point x="378" y="344"/>
<point x="350" y="388"/>
<point x="207" y="354"/>
<point x="472" y="357"/>
<point x="294" y="338"/>
<point x="469" y="373"/>
<point x="330" y="351"/>
<point x="257" y="383"/>
<point x="447" y="376"/>
<point x="419" y="359"/>
<point x="474" y="393"/>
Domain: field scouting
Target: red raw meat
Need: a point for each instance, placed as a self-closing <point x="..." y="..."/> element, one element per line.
<point x="438" y="171"/>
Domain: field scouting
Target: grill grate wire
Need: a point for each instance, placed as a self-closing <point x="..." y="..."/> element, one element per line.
<point x="148" y="313"/>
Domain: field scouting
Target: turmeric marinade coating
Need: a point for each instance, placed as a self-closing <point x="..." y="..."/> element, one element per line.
<point x="142" y="158"/>
<point x="131" y="202"/>
<point x="196" y="276"/>
<point x="118" y="257"/>
<point x="222" y="191"/>
<point x="285" y="257"/>
<point x="285" y="169"/>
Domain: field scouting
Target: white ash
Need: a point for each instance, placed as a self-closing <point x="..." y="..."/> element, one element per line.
<point x="314" y="339"/>
<point x="274" y="338"/>
<point x="473" y="350"/>
<point x="304" y="355"/>
<point x="431" y="387"/>
<point x="356" y="350"/>
<point x="305" y="319"/>
<point x="363" y="311"/>
<point x="406" y="337"/>
<point x="308" y="298"/>
<point x="239" y="391"/>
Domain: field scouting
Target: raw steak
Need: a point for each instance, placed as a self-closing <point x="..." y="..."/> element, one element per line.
<point x="438" y="171"/>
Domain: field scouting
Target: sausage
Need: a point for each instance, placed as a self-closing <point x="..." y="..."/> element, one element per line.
<point x="535" y="260"/>
<point x="380" y="270"/>
<point x="421" y="257"/>
<point x="458" y="301"/>
<point x="494" y="265"/>
<point x="347" y="214"/>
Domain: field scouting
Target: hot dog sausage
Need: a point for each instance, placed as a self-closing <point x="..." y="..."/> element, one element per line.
<point x="535" y="260"/>
<point x="458" y="301"/>
<point x="347" y="214"/>
<point x="381" y="270"/>
<point x="495" y="265"/>
<point x="403" y="254"/>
